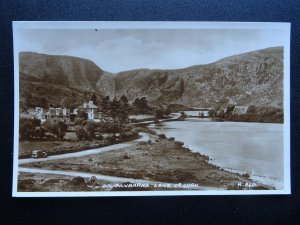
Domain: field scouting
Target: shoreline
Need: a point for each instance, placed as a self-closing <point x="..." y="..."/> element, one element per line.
<point x="218" y="166"/>
<point x="160" y="160"/>
<point x="272" y="182"/>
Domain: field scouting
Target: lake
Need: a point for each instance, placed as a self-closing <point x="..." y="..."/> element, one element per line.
<point x="255" y="148"/>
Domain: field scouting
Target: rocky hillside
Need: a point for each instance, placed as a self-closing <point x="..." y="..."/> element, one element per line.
<point x="250" y="78"/>
<point x="60" y="80"/>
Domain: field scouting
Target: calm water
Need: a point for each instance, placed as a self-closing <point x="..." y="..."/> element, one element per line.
<point x="255" y="148"/>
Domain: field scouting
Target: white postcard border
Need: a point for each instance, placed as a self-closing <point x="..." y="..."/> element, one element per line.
<point x="285" y="27"/>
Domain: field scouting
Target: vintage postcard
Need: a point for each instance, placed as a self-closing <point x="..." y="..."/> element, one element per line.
<point x="151" y="108"/>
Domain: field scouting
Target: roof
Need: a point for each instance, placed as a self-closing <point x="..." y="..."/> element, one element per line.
<point x="41" y="113"/>
<point x="89" y="105"/>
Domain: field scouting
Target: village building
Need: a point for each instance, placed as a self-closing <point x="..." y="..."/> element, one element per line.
<point x="91" y="110"/>
<point x="66" y="112"/>
<point x="63" y="114"/>
<point x="41" y="115"/>
<point x="34" y="111"/>
<point x="240" y="110"/>
<point x="57" y="112"/>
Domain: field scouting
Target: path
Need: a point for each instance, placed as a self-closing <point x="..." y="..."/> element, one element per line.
<point x="144" y="137"/>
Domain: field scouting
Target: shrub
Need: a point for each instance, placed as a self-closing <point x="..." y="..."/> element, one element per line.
<point x="73" y="117"/>
<point x="83" y="115"/>
<point x="162" y="136"/>
<point x="78" y="121"/>
<point x="57" y="128"/>
<point x="27" y="129"/>
<point x="179" y="143"/>
<point x="39" y="132"/>
<point x="82" y="134"/>
<point x="90" y="128"/>
<point x="77" y="181"/>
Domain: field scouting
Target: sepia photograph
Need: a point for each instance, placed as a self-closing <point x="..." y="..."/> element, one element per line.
<point x="151" y="108"/>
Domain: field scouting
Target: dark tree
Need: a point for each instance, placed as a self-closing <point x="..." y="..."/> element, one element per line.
<point x="57" y="128"/>
<point x="136" y="104"/>
<point x="36" y="122"/>
<point x="124" y="99"/>
<point x="44" y="103"/>
<point x="83" y="115"/>
<point x="90" y="127"/>
<point x="94" y="99"/>
<point x="158" y="114"/>
<point x="81" y="134"/>
<point x="28" y="100"/>
<point x="86" y="98"/>
<point x="141" y="106"/>
<point x="72" y="117"/>
<point x="126" y="109"/>
<point x="39" y="132"/>
<point x="27" y="129"/>
<point x="115" y="110"/>
<point x="105" y="105"/>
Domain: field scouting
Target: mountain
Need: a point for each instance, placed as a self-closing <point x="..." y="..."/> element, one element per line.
<point x="250" y="78"/>
<point x="60" y="80"/>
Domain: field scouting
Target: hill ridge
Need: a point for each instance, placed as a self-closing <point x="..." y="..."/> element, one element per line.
<point x="250" y="78"/>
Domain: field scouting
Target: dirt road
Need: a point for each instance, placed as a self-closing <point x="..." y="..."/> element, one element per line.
<point x="143" y="137"/>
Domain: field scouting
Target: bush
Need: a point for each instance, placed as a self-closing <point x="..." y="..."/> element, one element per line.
<point x="39" y="132"/>
<point x="78" y="121"/>
<point x="77" y="181"/>
<point x="162" y="136"/>
<point x="127" y="136"/>
<point x="73" y="117"/>
<point x="179" y="143"/>
<point x="57" y="128"/>
<point x="27" y="129"/>
<point x="111" y="127"/>
<point x="90" y="128"/>
<point x="87" y="131"/>
<point x="82" y="134"/>
<point x="83" y="115"/>
<point x="111" y="139"/>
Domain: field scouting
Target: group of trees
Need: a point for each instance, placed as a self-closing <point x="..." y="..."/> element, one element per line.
<point x="90" y="130"/>
<point x="253" y="114"/>
<point x="116" y="111"/>
<point x="140" y="106"/>
<point x="57" y="128"/>
<point x="86" y="131"/>
<point x="122" y="108"/>
<point x="29" y="129"/>
<point x="32" y="128"/>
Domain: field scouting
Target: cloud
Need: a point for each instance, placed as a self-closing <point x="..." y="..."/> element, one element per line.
<point x="119" y="50"/>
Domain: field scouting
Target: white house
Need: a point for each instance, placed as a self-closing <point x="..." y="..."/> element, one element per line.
<point x="90" y="109"/>
<point x="240" y="110"/>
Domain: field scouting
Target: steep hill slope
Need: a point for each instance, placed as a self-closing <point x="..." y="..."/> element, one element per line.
<point x="60" y="80"/>
<point x="249" y="78"/>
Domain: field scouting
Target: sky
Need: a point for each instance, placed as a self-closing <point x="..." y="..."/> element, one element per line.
<point x="116" y="50"/>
